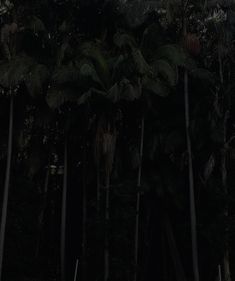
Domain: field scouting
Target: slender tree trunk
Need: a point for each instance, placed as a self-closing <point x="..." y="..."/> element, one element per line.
<point x="219" y="273"/>
<point x="107" y="217"/>
<point x="179" y="271"/>
<point x="138" y="201"/>
<point x="84" y="219"/>
<point x="76" y="271"/>
<point x="42" y="212"/>
<point x="191" y="183"/>
<point x="63" y="214"/>
<point x="226" y="261"/>
<point x="98" y="188"/>
<point x="6" y="185"/>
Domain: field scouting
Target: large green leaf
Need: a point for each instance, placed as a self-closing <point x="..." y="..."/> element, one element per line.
<point x="36" y="24"/>
<point x="65" y="74"/>
<point x="36" y="79"/>
<point x="203" y="74"/>
<point x="91" y="94"/>
<point x="124" y="90"/>
<point x="155" y="86"/>
<point x="173" y="53"/>
<point x="122" y="40"/>
<point x="57" y="96"/>
<point x="94" y="52"/>
<point x="87" y="70"/>
<point x="165" y="69"/>
<point x="141" y="65"/>
<point x="15" y="72"/>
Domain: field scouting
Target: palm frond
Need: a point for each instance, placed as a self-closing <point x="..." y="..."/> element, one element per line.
<point x="36" y="79"/>
<point x="175" y="55"/>
<point x="155" y="86"/>
<point x="65" y="74"/>
<point x="57" y="96"/>
<point x="93" y="52"/>
<point x="166" y="70"/>
<point x="15" y="72"/>
<point x="36" y="24"/>
<point x="140" y="63"/>
<point x="122" y="40"/>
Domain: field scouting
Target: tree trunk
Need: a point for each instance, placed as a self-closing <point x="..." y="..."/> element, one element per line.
<point x="42" y="212"/>
<point x="179" y="271"/>
<point x="226" y="262"/>
<point x="6" y="185"/>
<point x="106" y="240"/>
<point x="98" y="188"/>
<point x="191" y="182"/>
<point x="138" y="202"/>
<point x="63" y="214"/>
<point x="84" y="218"/>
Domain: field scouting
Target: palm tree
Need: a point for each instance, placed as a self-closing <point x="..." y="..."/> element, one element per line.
<point x="63" y="212"/>
<point x="6" y="185"/>
<point x="14" y="73"/>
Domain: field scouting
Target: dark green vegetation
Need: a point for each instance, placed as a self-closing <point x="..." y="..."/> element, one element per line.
<point x="117" y="140"/>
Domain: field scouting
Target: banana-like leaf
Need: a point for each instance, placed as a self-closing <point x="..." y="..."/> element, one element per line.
<point x="124" y="90"/>
<point x="37" y="77"/>
<point x="15" y="72"/>
<point x="65" y="74"/>
<point x="57" y="96"/>
<point x="141" y="65"/>
<point x="63" y="49"/>
<point x="36" y="24"/>
<point x="91" y="94"/>
<point x="155" y="86"/>
<point x="93" y="52"/>
<point x="152" y="37"/>
<point x="203" y="74"/>
<point x="87" y="70"/>
<point x="166" y="70"/>
<point x="175" y="55"/>
<point x="123" y="40"/>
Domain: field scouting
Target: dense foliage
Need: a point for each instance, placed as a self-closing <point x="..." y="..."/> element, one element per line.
<point x="117" y="140"/>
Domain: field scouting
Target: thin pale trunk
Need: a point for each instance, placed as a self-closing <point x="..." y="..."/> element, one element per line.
<point x="6" y="186"/>
<point x="107" y="216"/>
<point x="63" y="214"/>
<point x="226" y="261"/>
<point x="98" y="188"/>
<point x="84" y="219"/>
<point x="179" y="271"/>
<point x="76" y="271"/>
<point x="42" y="212"/>
<point x="138" y="201"/>
<point x="219" y="273"/>
<point x="191" y="182"/>
<point x="164" y="257"/>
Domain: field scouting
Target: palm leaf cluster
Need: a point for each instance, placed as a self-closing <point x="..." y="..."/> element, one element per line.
<point x="98" y="174"/>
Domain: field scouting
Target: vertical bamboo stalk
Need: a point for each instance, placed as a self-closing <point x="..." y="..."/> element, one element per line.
<point x="6" y="185"/>
<point x="138" y="201"/>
